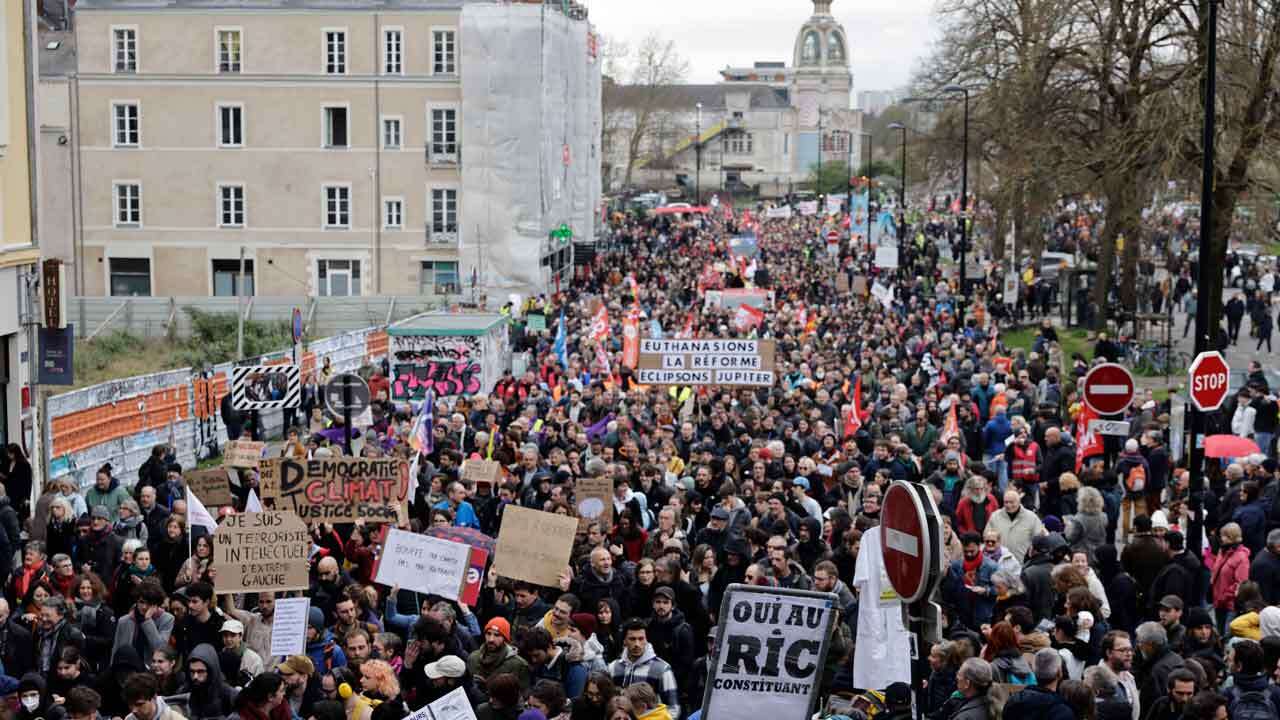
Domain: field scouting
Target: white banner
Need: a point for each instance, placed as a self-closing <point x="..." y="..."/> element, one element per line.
<point x="887" y="257"/>
<point x="423" y="564"/>
<point x="289" y="626"/>
<point x="778" y="213"/>
<point x="808" y="207"/>
<point x="770" y="652"/>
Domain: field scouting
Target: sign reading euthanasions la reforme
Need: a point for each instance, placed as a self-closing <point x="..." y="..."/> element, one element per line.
<point x="770" y="651"/>
<point x="729" y="361"/>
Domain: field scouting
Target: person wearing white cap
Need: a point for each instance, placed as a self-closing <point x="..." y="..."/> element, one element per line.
<point x="239" y="663"/>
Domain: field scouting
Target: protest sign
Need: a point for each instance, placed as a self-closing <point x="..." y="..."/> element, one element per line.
<point x="535" y="322"/>
<point x="289" y="626"/>
<point x="481" y="471"/>
<point x="534" y="546"/>
<point x="775" y="213"/>
<point x="454" y="705"/>
<point x="594" y="498"/>
<point x="423" y="564"/>
<point x="337" y="490"/>
<point x="261" y="552"/>
<point x="883" y="293"/>
<point x="211" y="486"/>
<point x="475" y="577"/>
<point x="842" y="282"/>
<point x="887" y="257"/>
<point x="706" y="362"/>
<point x="242" y="454"/>
<point x="771" y="647"/>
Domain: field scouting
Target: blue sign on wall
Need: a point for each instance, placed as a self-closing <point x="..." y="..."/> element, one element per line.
<point x="57" y="356"/>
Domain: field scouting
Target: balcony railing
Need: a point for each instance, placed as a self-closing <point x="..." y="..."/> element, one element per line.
<point x="444" y="153"/>
<point x="440" y="237"/>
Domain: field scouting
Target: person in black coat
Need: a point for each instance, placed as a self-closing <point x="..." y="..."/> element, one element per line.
<point x="15" y="472"/>
<point x="1174" y="578"/>
<point x="1265" y="569"/>
<point x="1122" y="590"/>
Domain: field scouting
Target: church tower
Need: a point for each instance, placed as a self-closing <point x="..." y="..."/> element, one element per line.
<point x="822" y="78"/>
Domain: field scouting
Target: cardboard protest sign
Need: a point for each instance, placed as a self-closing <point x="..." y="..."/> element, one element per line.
<point x="771" y="647"/>
<point x="706" y="362"/>
<point x="260" y="552"/>
<point x="289" y="626"/>
<point x="211" y="486"/>
<point x="337" y="490"/>
<point x="242" y="454"/>
<point x="594" y="499"/>
<point x="859" y="286"/>
<point x="481" y="471"/>
<point x="423" y="564"/>
<point x="842" y="282"/>
<point x="534" y="546"/>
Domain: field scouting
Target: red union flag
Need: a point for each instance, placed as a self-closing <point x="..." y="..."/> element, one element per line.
<point x="747" y="317"/>
<point x="631" y="340"/>
<point x="600" y="324"/>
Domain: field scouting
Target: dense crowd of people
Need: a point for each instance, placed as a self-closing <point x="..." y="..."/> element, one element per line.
<point x="1069" y="591"/>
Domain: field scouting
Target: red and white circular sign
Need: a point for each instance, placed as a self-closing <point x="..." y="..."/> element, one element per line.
<point x="904" y="542"/>
<point x="1108" y="389"/>
<point x="1209" y="378"/>
<point x="833" y="236"/>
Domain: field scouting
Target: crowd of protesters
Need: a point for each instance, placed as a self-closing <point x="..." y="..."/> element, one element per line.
<point x="1069" y="589"/>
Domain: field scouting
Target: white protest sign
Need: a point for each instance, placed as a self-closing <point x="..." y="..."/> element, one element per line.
<point x="783" y="212"/>
<point x="770" y="651"/>
<point x="886" y="256"/>
<point x="883" y="293"/>
<point x="289" y="626"/>
<point x="453" y="706"/>
<point x="423" y="564"/>
<point x="808" y="207"/>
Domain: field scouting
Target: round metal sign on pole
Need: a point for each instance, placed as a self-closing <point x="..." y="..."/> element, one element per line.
<point x="833" y="236"/>
<point x="297" y="325"/>
<point x="346" y="393"/>
<point x="906" y="543"/>
<point x="1108" y="389"/>
<point x="1209" y="379"/>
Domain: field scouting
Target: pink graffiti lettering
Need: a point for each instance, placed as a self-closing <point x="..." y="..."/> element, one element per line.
<point x="444" y="378"/>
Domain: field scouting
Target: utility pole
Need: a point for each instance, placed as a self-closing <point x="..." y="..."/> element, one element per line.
<point x="240" y="309"/>
<point x="1209" y="282"/>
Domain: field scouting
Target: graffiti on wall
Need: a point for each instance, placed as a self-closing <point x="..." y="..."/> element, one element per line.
<point x="446" y="365"/>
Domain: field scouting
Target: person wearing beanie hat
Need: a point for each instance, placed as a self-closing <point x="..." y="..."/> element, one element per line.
<point x="1202" y="636"/>
<point x="321" y="648"/>
<point x="497" y="655"/>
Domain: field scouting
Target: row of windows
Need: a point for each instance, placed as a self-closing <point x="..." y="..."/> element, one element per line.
<point x="231" y="209"/>
<point x="131" y="277"/>
<point x="230" y="122"/>
<point x="229" y="55"/>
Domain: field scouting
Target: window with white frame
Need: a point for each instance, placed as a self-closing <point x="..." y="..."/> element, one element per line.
<point x="443" y="55"/>
<point x="444" y="210"/>
<point x="231" y="205"/>
<point x="124" y="43"/>
<point x="393" y="213"/>
<point x="444" y="133"/>
<point x="335" y="52"/>
<point x="231" y="125"/>
<point x="338" y="278"/>
<point x="229" y="50"/>
<point x="438" y="277"/>
<point x="125" y="118"/>
<point x="393" y="51"/>
<point x="391" y="133"/>
<point x="741" y="144"/>
<point x="335" y="127"/>
<point x="337" y="206"/>
<point x="128" y="202"/>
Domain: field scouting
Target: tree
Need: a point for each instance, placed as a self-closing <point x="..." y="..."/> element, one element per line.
<point x="639" y="112"/>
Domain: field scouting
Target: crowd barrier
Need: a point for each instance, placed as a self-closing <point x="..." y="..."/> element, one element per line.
<point x="118" y="422"/>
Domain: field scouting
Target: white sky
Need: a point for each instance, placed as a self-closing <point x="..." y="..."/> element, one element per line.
<point x="886" y="37"/>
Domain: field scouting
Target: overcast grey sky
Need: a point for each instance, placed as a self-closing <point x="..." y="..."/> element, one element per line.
<point x="885" y="36"/>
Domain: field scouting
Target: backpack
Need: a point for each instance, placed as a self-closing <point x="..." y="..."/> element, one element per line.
<point x="1135" y="481"/>
<point x="1254" y="705"/>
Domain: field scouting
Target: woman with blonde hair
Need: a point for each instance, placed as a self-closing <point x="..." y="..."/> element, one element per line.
<point x="1227" y="570"/>
<point x="379" y="693"/>
<point x="1087" y="528"/>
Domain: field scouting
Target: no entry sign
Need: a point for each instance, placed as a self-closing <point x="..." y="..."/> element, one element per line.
<point x="1209" y="376"/>
<point x="909" y="541"/>
<point x="833" y="236"/>
<point x="1108" y="389"/>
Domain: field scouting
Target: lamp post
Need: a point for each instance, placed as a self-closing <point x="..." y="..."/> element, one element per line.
<point x="964" y="203"/>
<point x="697" y="151"/>
<point x="902" y="198"/>
<point x="867" y="162"/>
<point x="848" y="168"/>
<point x="817" y="181"/>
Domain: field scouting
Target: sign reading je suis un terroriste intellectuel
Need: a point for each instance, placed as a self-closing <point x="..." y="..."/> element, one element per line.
<point x="337" y="490"/>
<point x="730" y="361"/>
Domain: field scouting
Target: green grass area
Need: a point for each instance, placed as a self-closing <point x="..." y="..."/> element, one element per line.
<point x="1272" y="248"/>
<point x="1072" y="340"/>
<point x="213" y="340"/>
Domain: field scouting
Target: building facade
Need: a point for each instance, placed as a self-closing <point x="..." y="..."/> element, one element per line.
<point x="19" y="251"/>
<point x="763" y="127"/>
<point x="288" y="148"/>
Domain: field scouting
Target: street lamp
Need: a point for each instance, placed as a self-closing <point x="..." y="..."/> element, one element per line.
<point x="902" y="198"/>
<point x="964" y="202"/>
<point x="867" y="163"/>
<point x="697" y="150"/>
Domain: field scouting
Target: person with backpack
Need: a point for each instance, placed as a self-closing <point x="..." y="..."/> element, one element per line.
<point x="1132" y="471"/>
<point x="1252" y="696"/>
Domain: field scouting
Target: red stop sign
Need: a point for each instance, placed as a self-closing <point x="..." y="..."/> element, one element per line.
<point x="904" y="542"/>
<point x="833" y="236"/>
<point x="1108" y="389"/>
<point x="1209" y="378"/>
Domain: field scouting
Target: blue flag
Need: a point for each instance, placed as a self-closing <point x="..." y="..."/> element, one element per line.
<point x="655" y="329"/>
<point x="561" y="344"/>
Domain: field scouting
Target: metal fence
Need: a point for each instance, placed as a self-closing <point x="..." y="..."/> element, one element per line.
<point x="322" y="316"/>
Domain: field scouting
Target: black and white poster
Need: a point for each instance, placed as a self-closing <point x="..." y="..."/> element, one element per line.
<point x="770" y="651"/>
<point x="266" y="387"/>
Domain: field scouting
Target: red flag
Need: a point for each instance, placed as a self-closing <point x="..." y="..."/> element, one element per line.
<point x="1088" y="443"/>
<point x="600" y="324"/>
<point x="853" y="417"/>
<point x="747" y="317"/>
<point x="952" y="427"/>
<point x="631" y="339"/>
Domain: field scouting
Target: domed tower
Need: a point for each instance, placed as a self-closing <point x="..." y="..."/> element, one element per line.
<point x="822" y="75"/>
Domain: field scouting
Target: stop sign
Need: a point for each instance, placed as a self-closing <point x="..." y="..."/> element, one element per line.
<point x="908" y="546"/>
<point x="1108" y="389"/>
<point x="1209" y="378"/>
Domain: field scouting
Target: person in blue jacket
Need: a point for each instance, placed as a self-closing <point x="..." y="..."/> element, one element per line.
<point x="456" y="501"/>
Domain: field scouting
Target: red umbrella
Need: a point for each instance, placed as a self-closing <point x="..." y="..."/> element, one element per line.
<point x="1229" y="446"/>
<point x="464" y="535"/>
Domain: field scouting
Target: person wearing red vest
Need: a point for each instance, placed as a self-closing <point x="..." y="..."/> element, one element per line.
<point x="1024" y="458"/>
